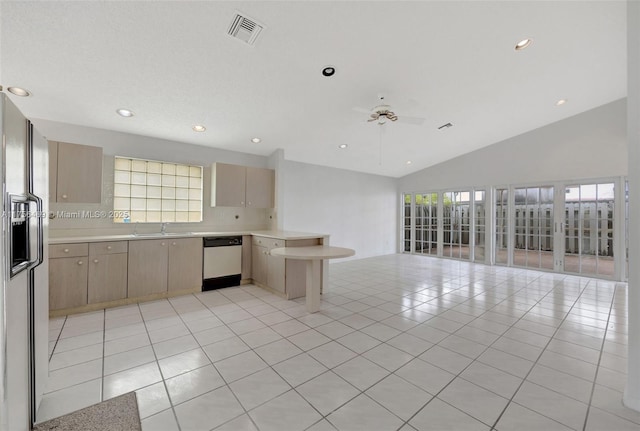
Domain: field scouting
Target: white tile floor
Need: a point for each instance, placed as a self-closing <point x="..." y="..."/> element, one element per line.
<point x="401" y="343"/>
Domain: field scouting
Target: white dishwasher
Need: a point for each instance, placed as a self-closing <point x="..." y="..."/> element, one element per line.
<point x="222" y="262"/>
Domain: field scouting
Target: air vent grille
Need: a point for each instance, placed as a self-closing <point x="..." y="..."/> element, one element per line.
<point x="245" y="29"/>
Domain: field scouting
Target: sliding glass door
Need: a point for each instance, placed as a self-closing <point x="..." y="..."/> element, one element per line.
<point x="588" y="227"/>
<point x="426" y="231"/>
<point x="501" y="249"/>
<point x="456" y="224"/>
<point x="534" y="225"/>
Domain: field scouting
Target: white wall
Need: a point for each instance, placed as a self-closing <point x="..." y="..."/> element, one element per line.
<point x="589" y="145"/>
<point x="358" y="210"/>
<point x="124" y="144"/>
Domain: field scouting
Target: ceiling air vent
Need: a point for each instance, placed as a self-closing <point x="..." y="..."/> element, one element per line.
<point x="245" y="29"/>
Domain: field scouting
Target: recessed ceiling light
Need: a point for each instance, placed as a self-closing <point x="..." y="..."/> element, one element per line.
<point x="18" y="91"/>
<point x="328" y="71"/>
<point x="561" y="102"/>
<point x="199" y="128"/>
<point x="256" y="140"/>
<point x="124" y="112"/>
<point x="523" y="44"/>
<point x="342" y="146"/>
<point x="408" y="162"/>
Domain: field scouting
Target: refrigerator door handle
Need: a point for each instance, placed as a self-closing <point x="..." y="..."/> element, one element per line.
<point x="40" y="235"/>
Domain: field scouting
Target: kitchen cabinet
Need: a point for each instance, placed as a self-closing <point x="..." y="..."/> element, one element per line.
<point x="260" y="185"/>
<point x="148" y="260"/>
<point x="185" y="264"/>
<point x="68" y="275"/>
<point x="242" y="186"/>
<point x="247" y="257"/>
<point x="75" y="173"/>
<point x="107" y="278"/>
<point x="277" y="273"/>
<point x="259" y="264"/>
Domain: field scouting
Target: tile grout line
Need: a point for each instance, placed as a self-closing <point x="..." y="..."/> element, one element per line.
<point x="538" y="359"/>
<point x="104" y="338"/>
<point x="164" y="383"/>
<point x="595" y="377"/>
<point x="459" y="375"/>
<point x="58" y="338"/>
<point x="246" y="412"/>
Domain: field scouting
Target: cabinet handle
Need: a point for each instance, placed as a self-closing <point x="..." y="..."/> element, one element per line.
<point x="64" y="196"/>
<point x="163" y="244"/>
<point x="80" y="262"/>
<point x="249" y="203"/>
<point x="109" y="247"/>
<point x="173" y="243"/>
<point x="276" y="244"/>
<point x="95" y="260"/>
<point x="242" y="202"/>
<point x="66" y="250"/>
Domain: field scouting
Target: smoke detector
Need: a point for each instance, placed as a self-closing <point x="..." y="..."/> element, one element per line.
<point x="244" y="28"/>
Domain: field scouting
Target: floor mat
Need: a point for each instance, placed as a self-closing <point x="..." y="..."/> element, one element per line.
<point x="117" y="414"/>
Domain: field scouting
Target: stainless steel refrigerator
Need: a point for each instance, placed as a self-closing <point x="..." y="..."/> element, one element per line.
<point x="24" y="297"/>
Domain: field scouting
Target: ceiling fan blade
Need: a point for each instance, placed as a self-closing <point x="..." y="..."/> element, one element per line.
<point x="417" y="121"/>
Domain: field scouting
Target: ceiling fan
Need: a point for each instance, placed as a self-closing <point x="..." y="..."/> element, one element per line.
<point x="383" y="113"/>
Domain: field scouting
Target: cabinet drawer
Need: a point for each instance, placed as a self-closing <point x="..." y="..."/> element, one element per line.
<point x="96" y="248"/>
<point x="69" y="250"/>
<point x="269" y="243"/>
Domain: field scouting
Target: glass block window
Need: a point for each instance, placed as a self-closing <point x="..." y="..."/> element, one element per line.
<point x="149" y="191"/>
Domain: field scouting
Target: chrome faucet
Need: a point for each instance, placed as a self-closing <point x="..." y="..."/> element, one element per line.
<point x="163" y="230"/>
<point x="135" y="229"/>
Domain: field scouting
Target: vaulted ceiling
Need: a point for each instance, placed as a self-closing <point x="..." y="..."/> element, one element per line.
<point x="174" y="65"/>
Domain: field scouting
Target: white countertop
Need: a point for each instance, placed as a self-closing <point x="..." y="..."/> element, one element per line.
<point x="313" y="252"/>
<point x="278" y="234"/>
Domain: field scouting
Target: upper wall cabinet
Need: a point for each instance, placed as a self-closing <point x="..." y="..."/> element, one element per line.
<point x="241" y="186"/>
<point x="75" y="173"/>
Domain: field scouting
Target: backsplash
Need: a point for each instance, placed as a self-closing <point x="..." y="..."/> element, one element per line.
<point x="68" y="220"/>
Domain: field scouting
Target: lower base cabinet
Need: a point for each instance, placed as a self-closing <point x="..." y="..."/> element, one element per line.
<point x="107" y="278"/>
<point x="148" y="261"/>
<point x="67" y="282"/>
<point x="107" y="271"/>
<point x="275" y="272"/>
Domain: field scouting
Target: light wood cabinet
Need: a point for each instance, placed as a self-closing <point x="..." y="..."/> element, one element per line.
<point x="75" y="173"/>
<point x="277" y="273"/>
<point x="259" y="264"/>
<point x="247" y="257"/>
<point x="228" y="183"/>
<point x="185" y="264"/>
<point x="242" y="186"/>
<point x="107" y="279"/>
<point x="148" y="260"/>
<point x="67" y="282"/>
<point x="68" y="275"/>
<point x="260" y="187"/>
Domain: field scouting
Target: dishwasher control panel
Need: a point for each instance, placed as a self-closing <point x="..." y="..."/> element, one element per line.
<point x="222" y="241"/>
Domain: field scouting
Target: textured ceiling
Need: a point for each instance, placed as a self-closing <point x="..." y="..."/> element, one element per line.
<point x="173" y="64"/>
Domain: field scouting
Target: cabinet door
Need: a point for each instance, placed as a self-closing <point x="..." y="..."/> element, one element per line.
<point x="79" y="173"/>
<point x="260" y="187"/>
<point x="107" y="277"/>
<point x="259" y="264"/>
<point x="276" y="272"/>
<point x="246" y="257"/>
<point x="67" y="282"/>
<point x="227" y="185"/>
<point x="185" y="264"/>
<point x="148" y="261"/>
